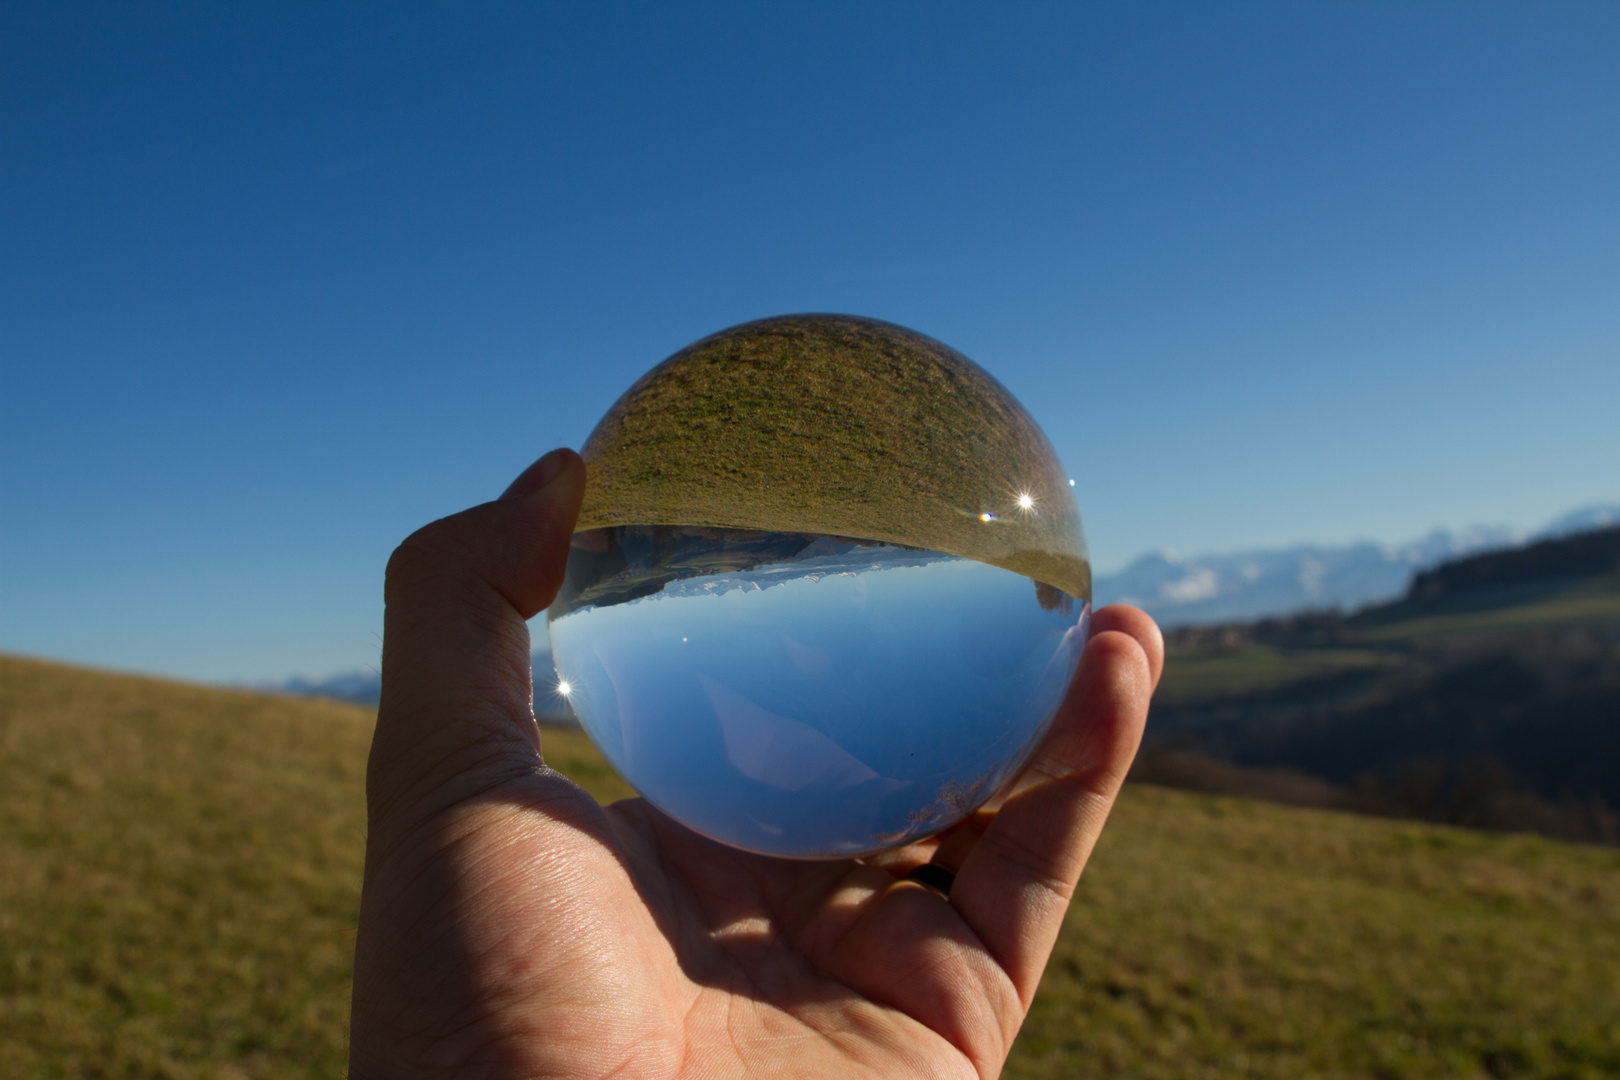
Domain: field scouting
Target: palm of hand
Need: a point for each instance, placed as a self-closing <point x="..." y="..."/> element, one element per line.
<point x="662" y="954"/>
<point x="512" y="928"/>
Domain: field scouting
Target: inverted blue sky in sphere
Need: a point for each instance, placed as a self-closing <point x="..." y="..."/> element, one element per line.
<point x="822" y="705"/>
<point x="280" y="283"/>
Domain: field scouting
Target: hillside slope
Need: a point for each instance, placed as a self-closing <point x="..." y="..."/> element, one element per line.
<point x="180" y="866"/>
<point x="1256" y="583"/>
<point x="1488" y="695"/>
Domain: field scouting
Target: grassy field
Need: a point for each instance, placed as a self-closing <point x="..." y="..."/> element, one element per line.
<point x="1594" y="604"/>
<point x="179" y="874"/>
<point x="1199" y="673"/>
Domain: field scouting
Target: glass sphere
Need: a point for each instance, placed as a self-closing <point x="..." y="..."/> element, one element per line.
<point x="827" y="589"/>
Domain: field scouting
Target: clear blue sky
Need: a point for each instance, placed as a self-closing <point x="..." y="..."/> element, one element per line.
<point x="279" y="284"/>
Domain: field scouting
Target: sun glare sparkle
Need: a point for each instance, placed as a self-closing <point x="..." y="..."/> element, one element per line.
<point x="1026" y="501"/>
<point x="564" y="688"/>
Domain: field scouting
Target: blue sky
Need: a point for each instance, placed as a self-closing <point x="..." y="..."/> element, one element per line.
<point x="280" y="283"/>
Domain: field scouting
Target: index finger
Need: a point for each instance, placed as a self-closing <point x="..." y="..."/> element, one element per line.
<point x="1015" y="884"/>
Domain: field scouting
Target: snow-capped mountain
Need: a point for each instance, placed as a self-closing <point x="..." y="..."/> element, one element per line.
<point x="364" y="687"/>
<point x="1253" y="584"/>
<point x="1585" y="519"/>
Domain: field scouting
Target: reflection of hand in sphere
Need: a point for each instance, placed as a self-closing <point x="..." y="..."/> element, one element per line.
<point x="829" y="587"/>
<point x="510" y="927"/>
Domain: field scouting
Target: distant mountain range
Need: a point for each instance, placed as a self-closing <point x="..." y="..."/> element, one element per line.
<point x="1263" y="582"/>
<point x="1193" y="591"/>
<point x="365" y="687"/>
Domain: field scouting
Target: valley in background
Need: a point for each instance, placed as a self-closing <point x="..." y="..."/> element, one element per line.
<point x="1488" y="695"/>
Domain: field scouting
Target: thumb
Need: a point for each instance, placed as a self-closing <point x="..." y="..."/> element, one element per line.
<point x="455" y="715"/>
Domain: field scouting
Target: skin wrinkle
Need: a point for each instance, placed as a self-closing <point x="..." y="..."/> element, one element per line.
<point x="733" y="1003"/>
<point x="449" y="1030"/>
<point x="497" y="975"/>
<point x="506" y="685"/>
<point x="499" y="1005"/>
<point x="699" y="931"/>
<point x="753" y="976"/>
<point x="431" y="794"/>
<point x="950" y="967"/>
<point x="421" y="843"/>
<point x="444" y="983"/>
<point x="439" y="551"/>
<point x="499" y="746"/>
<point x="430" y="740"/>
<point x="554" y="994"/>
<point x="770" y="945"/>
<point x="483" y="605"/>
<point x="622" y="1068"/>
<point x="430" y="935"/>
<point x="1003" y="1019"/>
<point x="431" y="744"/>
<point x="792" y="908"/>
<point x="890" y="999"/>
<point x="808" y="1031"/>
<point x="461" y="834"/>
<point x="474" y="713"/>
<point x="815" y="939"/>
<point x="1043" y="870"/>
<point x="666" y="904"/>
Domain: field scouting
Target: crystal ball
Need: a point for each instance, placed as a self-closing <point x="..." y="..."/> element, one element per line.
<point x="827" y="589"/>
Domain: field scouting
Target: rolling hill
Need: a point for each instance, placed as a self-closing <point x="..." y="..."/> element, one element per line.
<point x="180" y="868"/>
<point x="1488" y="695"/>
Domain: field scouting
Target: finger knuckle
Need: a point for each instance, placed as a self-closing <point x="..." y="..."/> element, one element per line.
<point x="1041" y="869"/>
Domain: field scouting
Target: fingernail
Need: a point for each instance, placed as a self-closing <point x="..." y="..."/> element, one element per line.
<point x="538" y="475"/>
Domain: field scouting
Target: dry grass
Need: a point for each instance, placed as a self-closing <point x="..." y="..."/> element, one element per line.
<point x="1217" y="937"/>
<point x="1595" y="604"/>
<point x="179" y="874"/>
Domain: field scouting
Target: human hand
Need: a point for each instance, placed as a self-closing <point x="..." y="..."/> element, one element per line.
<point x="510" y="927"/>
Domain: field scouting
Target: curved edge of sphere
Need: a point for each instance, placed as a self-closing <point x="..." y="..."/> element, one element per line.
<point x="842" y="426"/>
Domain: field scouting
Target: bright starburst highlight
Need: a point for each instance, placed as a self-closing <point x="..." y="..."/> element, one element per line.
<point x="564" y="688"/>
<point x="1026" y="501"/>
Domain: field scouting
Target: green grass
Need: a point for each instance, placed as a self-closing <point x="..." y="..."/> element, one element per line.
<point x="1381" y="639"/>
<point x="1214" y="936"/>
<point x="1195" y="674"/>
<point x="180" y="866"/>
<point x="1592" y="604"/>
<point x="179" y="875"/>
